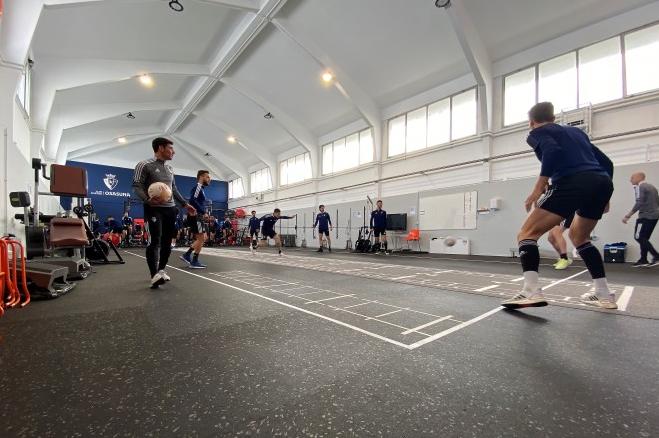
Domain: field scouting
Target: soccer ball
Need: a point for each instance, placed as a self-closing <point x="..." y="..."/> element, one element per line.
<point x="160" y="191"/>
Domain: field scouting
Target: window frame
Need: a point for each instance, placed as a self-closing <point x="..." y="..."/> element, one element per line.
<point x="306" y="156"/>
<point x="330" y="144"/>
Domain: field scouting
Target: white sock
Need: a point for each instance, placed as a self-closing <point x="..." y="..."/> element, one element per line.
<point x="530" y="282"/>
<point x="601" y="287"/>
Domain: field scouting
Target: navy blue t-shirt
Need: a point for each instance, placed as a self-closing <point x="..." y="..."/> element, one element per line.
<point x="269" y="222"/>
<point x="254" y="223"/>
<point x="323" y="221"/>
<point x="378" y="219"/>
<point x="198" y="198"/>
<point x="565" y="151"/>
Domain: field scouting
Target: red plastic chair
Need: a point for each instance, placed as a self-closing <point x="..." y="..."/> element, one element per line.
<point x="413" y="235"/>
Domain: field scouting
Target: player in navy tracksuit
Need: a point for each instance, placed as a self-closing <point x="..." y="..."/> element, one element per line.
<point x="268" y="227"/>
<point x="379" y="227"/>
<point x="198" y="201"/>
<point x="582" y="185"/>
<point x="254" y="224"/>
<point x="127" y="227"/>
<point x="324" y="224"/>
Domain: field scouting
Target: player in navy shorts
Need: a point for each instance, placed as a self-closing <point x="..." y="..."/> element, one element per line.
<point x="324" y="223"/>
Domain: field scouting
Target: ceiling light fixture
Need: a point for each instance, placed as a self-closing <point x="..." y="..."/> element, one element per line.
<point x="122" y="140"/>
<point x="147" y="81"/>
<point x="176" y="6"/>
<point x="232" y="139"/>
<point x="442" y="3"/>
<point x="327" y="77"/>
<point x="130" y="116"/>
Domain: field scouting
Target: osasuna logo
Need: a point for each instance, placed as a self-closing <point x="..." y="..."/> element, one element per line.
<point x="110" y="181"/>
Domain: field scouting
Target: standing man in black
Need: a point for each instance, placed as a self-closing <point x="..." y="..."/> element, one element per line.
<point x="159" y="214"/>
<point x="379" y="227"/>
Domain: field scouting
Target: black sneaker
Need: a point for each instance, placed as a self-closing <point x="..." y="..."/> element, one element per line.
<point x="329" y="249"/>
<point x="655" y="262"/>
<point x="640" y="264"/>
<point x="320" y="249"/>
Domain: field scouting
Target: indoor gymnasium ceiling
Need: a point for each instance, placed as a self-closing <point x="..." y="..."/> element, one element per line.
<point x="215" y="69"/>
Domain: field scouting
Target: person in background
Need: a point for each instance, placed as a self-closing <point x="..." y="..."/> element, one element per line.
<point x="226" y="229"/>
<point x="254" y="224"/>
<point x="647" y="206"/>
<point x="198" y="201"/>
<point x="127" y="227"/>
<point x="324" y="223"/>
<point x="211" y="228"/>
<point x="268" y="228"/>
<point x="379" y="227"/>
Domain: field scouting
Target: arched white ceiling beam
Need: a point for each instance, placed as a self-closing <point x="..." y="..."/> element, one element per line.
<point x="201" y="148"/>
<point x="102" y="147"/>
<point x="83" y="114"/>
<point x="477" y="57"/>
<point x="260" y="151"/>
<point x="295" y="129"/>
<point x="204" y="162"/>
<point x="19" y="21"/>
<point x="246" y="33"/>
<point x="51" y="75"/>
<point x="363" y="103"/>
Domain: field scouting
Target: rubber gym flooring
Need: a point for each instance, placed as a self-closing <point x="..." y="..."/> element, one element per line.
<point x="332" y="345"/>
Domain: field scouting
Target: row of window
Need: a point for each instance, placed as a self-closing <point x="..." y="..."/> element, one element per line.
<point x="348" y="152"/>
<point x="295" y="169"/>
<point x="449" y="119"/>
<point x="625" y="65"/>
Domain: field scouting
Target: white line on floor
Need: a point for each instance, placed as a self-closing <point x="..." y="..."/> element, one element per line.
<point x="563" y="279"/>
<point x="389" y="313"/>
<point x="341" y="323"/>
<point x="483" y="289"/>
<point x="405" y="276"/>
<point x="328" y="299"/>
<point x="626" y="295"/>
<point x="412" y="330"/>
<point x="454" y="329"/>
<point x="360" y="304"/>
<point x="518" y="279"/>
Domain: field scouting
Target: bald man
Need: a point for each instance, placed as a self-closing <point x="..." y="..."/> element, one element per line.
<point x="647" y="206"/>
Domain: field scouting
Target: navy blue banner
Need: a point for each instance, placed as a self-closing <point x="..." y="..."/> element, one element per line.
<point x="111" y="193"/>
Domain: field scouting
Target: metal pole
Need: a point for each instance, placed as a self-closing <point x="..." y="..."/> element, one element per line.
<point x="6" y="180"/>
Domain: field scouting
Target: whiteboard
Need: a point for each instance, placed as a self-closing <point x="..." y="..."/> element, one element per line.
<point x="455" y="211"/>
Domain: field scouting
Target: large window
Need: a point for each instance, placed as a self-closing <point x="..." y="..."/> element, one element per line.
<point x="260" y="181"/>
<point x="449" y="119"/>
<point x="587" y="76"/>
<point x="642" y="60"/>
<point x="348" y="152"/>
<point x="295" y="169"/>
<point x="236" y="189"/>
<point x="23" y="92"/>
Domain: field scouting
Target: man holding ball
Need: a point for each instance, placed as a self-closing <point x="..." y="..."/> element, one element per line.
<point x="159" y="206"/>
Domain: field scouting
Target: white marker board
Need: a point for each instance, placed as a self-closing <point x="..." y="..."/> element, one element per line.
<point x="456" y="211"/>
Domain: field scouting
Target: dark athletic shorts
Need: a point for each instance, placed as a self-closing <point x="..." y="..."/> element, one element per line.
<point x="567" y="222"/>
<point x="194" y="224"/>
<point x="586" y="193"/>
<point x="379" y="231"/>
<point x="268" y="233"/>
<point x="254" y="233"/>
<point x="325" y="232"/>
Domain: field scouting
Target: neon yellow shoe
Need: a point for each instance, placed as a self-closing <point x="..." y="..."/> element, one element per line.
<point x="562" y="264"/>
<point x="557" y="262"/>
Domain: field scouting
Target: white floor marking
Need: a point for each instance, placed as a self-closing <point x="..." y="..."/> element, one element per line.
<point x="518" y="279"/>
<point x="483" y="289"/>
<point x="412" y="330"/>
<point x="390" y="313"/>
<point x="454" y="329"/>
<point x="563" y="279"/>
<point x="309" y="312"/>
<point x="406" y="276"/>
<point x="626" y="295"/>
<point x="328" y="299"/>
<point x="360" y="304"/>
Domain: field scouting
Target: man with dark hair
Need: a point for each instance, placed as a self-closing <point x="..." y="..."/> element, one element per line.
<point x="581" y="183"/>
<point x="324" y="223"/>
<point x="254" y="224"/>
<point x="198" y="201"/>
<point x="268" y="228"/>
<point x="159" y="214"/>
<point x="647" y="206"/>
<point x="379" y="226"/>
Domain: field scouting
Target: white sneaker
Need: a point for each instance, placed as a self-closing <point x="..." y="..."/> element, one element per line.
<point x="281" y="253"/>
<point x="592" y="299"/>
<point x="164" y="275"/>
<point x="157" y="280"/>
<point x="520" y="301"/>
